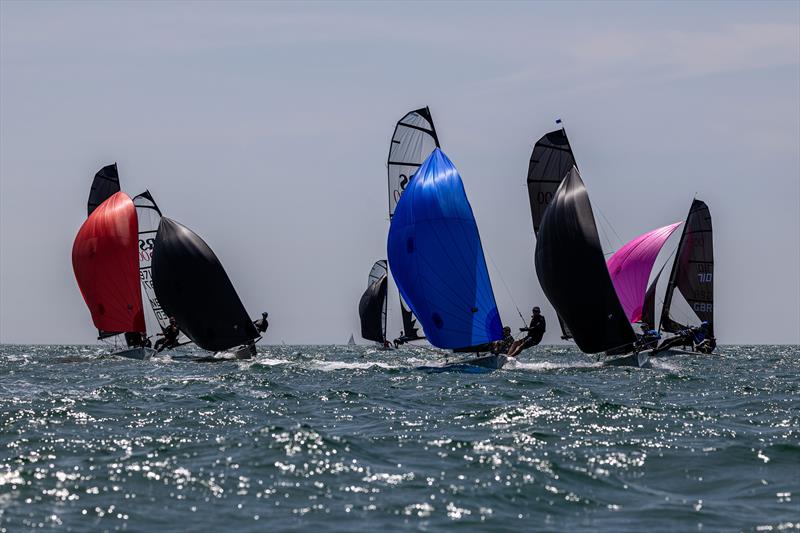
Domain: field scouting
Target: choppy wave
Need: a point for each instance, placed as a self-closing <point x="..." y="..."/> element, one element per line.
<point x="342" y="438"/>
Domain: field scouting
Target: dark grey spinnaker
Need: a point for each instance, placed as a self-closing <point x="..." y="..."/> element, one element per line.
<point x="192" y="286"/>
<point x="372" y="307"/>
<point x="573" y="273"/>
<point x="104" y="185"/>
<point x="550" y="161"/>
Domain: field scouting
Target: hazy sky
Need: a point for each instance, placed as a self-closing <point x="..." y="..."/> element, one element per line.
<point x="265" y="127"/>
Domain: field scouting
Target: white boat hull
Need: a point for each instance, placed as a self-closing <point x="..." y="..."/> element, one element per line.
<point x="141" y="353"/>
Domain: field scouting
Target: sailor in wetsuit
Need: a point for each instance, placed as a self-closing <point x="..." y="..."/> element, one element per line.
<point x="649" y="337"/>
<point x="262" y="323"/>
<point x="135" y="339"/>
<point x="399" y="341"/>
<point x="169" y="338"/>
<point x="692" y="337"/>
<point x="504" y="345"/>
<point x="535" y="332"/>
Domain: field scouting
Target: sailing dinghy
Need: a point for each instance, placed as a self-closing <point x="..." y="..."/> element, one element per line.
<point x="573" y="275"/>
<point x="551" y="160"/>
<point x="372" y="306"/>
<point x="413" y="140"/>
<point x="192" y="286"/>
<point x="105" y="259"/>
<point x="692" y="275"/>
<point x="437" y="262"/>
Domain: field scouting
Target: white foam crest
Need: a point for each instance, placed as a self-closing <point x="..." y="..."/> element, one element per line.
<point x="538" y="366"/>
<point x="329" y="366"/>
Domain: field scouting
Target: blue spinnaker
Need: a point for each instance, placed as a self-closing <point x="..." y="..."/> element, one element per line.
<point x="437" y="261"/>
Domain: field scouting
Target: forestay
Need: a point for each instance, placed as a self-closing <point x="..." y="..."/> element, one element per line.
<point x="437" y="260"/>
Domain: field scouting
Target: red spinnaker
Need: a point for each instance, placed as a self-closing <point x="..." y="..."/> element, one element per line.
<point x="105" y="258"/>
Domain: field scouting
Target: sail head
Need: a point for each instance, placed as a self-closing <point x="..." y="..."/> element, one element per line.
<point x="104" y="185"/>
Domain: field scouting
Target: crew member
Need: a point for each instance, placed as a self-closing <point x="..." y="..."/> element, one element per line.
<point x="535" y="332"/>
<point x="169" y="338"/>
<point x="262" y="323"/>
<point x="504" y="345"/>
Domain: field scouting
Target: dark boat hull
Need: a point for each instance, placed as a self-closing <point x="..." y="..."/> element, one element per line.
<point x="636" y="360"/>
<point x="476" y="365"/>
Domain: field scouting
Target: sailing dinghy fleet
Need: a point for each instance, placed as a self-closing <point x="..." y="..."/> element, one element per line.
<point x="144" y="276"/>
<point x="126" y="250"/>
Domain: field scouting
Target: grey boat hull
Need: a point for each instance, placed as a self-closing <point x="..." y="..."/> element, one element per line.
<point x="474" y="365"/>
<point x="636" y="360"/>
<point x="141" y="353"/>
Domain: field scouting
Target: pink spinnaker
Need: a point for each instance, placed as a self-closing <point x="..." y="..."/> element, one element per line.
<point x="630" y="268"/>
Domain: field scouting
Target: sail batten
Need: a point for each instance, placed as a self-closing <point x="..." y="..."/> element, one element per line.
<point x="437" y="260"/>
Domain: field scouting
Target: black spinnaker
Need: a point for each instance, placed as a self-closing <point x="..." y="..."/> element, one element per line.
<point x="550" y="161"/>
<point x="413" y="140"/>
<point x="573" y="273"/>
<point x="372" y="307"/>
<point x="693" y="270"/>
<point x="105" y="184"/>
<point x="192" y="286"/>
<point x="649" y="305"/>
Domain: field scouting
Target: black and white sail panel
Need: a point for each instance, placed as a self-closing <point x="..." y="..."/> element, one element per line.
<point x="413" y="140"/>
<point x="372" y="307"/>
<point x="573" y="273"/>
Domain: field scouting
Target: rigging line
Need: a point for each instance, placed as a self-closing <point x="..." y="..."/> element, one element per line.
<point x="503" y="281"/>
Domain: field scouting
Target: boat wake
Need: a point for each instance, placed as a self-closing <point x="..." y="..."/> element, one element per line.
<point x="538" y="366"/>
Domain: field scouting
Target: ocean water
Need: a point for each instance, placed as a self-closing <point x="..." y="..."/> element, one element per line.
<point x="327" y="438"/>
